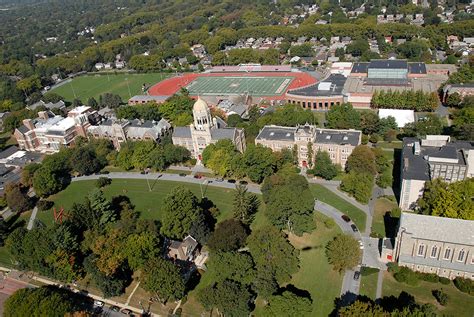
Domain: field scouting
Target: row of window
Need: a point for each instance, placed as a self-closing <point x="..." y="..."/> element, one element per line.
<point x="447" y="253"/>
<point x="315" y="105"/>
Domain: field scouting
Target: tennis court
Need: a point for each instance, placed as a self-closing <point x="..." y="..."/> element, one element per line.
<point x="236" y="85"/>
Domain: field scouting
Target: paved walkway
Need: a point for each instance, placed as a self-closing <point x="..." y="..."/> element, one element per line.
<point x="378" y="293"/>
<point x="153" y="177"/>
<point x="31" y="222"/>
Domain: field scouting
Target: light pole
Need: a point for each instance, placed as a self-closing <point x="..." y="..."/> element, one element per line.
<point x="200" y="185"/>
<point x="146" y="170"/>
<point x="129" y="93"/>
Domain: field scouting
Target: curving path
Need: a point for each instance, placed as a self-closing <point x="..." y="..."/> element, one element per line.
<point x="350" y="287"/>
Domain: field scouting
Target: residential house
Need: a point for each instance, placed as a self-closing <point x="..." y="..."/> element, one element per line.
<point x="60" y="105"/>
<point x="186" y="251"/>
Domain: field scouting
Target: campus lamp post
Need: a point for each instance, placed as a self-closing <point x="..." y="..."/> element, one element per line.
<point x="146" y="170"/>
<point x="200" y="185"/>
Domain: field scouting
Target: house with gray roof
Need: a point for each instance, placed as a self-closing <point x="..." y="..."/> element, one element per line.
<point x="439" y="245"/>
<point x="307" y="138"/>
<point x="435" y="156"/>
<point x="60" y="105"/>
<point x="206" y="130"/>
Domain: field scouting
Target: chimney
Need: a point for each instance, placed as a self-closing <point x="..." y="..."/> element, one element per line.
<point x="43" y="115"/>
<point x="29" y="124"/>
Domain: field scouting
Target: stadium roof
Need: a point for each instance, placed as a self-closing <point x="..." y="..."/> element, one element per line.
<point x="251" y="68"/>
<point x="388" y="64"/>
<point x="417" y="68"/>
<point x="331" y="86"/>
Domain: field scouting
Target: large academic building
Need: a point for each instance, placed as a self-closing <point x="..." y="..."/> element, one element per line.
<point x="206" y="130"/>
<point x="338" y="143"/>
<point x="429" y="244"/>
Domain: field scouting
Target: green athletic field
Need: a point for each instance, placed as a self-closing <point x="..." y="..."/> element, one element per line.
<point x="85" y="87"/>
<point x="256" y="86"/>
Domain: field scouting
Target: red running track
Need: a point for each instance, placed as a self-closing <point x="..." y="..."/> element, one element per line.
<point x="172" y="85"/>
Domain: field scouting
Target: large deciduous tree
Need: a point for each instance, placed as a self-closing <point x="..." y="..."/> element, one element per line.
<point x="288" y="304"/>
<point x="16" y="198"/>
<point x="180" y="209"/>
<point x="229" y="235"/>
<point x="163" y="278"/>
<point x="362" y="160"/>
<point x="229" y="297"/>
<point x="343" y="252"/>
<point x="273" y="253"/>
<point x="323" y="166"/>
<point x="343" y="116"/>
<point x="289" y="202"/>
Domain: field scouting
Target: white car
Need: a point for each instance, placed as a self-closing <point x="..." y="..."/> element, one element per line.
<point x="98" y="303"/>
<point x="361" y="245"/>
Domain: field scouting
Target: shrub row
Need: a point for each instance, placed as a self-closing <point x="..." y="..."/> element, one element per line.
<point x="410" y="277"/>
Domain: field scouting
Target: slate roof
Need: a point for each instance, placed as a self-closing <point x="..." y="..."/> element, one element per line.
<point x="9" y="151"/>
<point x="450" y="230"/>
<point x="329" y="136"/>
<point x="23" y="129"/>
<point x="360" y="68"/>
<point x="271" y="132"/>
<point x="182" y="132"/>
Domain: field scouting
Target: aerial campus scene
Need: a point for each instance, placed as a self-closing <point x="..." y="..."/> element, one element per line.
<point x="237" y="158"/>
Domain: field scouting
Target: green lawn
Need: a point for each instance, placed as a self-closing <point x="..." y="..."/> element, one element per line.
<point x="316" y="274"/>
<point x="146" y="202"/>
<point x="382" y="206"/>
<point x="325" y="195"/>
<point x="368" y="285"/>
<point x="459" y="303"/>
<point x="85" y="87"/>
<point x="390" y="145"/>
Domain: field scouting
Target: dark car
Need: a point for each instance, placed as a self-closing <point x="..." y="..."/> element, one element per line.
<point x="232" y="181"/>
<point x="182" y="174"/>
<point x="354" y="228"/>
<point x="346" y="218"/>
<point x="243" y="182"/>
<point x="356" y="275"/>
<point x="219" y="180"/>
<point x="114" y="308"/>
<point x="198" y="176"/>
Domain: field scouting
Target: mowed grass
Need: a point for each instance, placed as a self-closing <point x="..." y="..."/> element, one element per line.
<point x="325" y="195"/>
<point x="382" y="206"/>
<point x="459" y="304"/>
<point x="146" y="202"/>
<point x="368" y="285"/>
<point x="316" y="274"/>
<point x="85" y="87"/>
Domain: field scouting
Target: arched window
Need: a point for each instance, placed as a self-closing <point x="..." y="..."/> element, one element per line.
<point x="434" y="251"/>
<point x="447" y="254"/>
<point x="461" y="255"/>
<point x="421" y="249"/>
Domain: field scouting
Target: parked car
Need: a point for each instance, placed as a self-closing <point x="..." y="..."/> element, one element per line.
<point x="346" y="218"/>
<point x="126" y="311"/>
<point x="356" y="275"/>
<point x="354" y="228"/>
<point x="182" y="174"/>
<point x="219" y="180"/>
<point x="98" y="303"/>
<point x="198" y="176"/>
<point x="361" y="245"/>
<point x="114" y="308"/>
<point x="243" y="182"/>
<point x="232" y="181"/>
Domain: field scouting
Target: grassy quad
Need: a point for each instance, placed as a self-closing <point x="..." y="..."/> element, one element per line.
<point x="459" y="304"/>
<point x="89" y="86"/>
<point x="325" y="195"/>
<point x="315" y="274"/>
<point x="379" y="221"/>
<point x="146" y="202"/>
